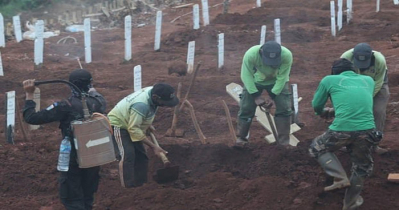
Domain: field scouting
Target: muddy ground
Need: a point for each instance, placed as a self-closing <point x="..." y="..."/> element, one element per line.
<point x="212" y="175"/>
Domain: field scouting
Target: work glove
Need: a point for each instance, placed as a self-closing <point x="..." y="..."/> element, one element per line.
<point x="327" y="113"/>
<point x="260" y="101"/>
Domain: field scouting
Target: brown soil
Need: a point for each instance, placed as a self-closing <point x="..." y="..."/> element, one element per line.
<point x="212" y="176"/>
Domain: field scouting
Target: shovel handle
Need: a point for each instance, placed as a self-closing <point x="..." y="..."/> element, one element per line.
<point x="269" y="118"/>
<point x="164" y="159"/>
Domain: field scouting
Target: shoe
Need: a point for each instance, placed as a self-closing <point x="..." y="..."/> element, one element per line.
<point x="240" y="142"/>
<point x="343" y="183"/>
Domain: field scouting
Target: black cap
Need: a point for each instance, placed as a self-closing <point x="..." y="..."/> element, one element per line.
<point x="81" y="78"/>
<point x="362" y="55"/>
<point x="341" y="65"/>
<point x="166" y="93"/>
<point x="271" y="53"/>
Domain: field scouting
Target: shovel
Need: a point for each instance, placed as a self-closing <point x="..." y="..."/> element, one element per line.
<point x="266" y="109"/>
<point x="167" y="174"/>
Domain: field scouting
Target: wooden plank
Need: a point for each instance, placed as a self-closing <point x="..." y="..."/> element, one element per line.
<point x="393" y="178"/>
<point x="234" y="90"/>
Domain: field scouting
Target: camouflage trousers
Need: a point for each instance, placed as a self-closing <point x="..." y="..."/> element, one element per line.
<point x="358" y="143"/>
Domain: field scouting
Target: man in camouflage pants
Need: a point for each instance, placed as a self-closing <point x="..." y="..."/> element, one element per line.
<point x="352" y="97"/>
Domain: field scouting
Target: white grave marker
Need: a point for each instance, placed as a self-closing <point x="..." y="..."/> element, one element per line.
<point x="1" y="66"/>
<point x="277" y="31"/>
<point x="294" y="90"/>
<point x="87" y="35"/>
<point x="158" y="28"/>
<point x="190" y="57"/>
<point x="221" y="51"/>
<point x="262" y="35"/>
<point x="36" y="99"/>
<point x="205" y="12"/>
<point x="2" y="35"/>
<point x="340" y="3"/>
<point x="332" y="10"/>
<point x="10" y="119"/>
<point x="17" y="28"/>
<point x="378" y="6"/>
<point x="348" y="10"/>
<point x="128" y="38"/>
<point x="258" y="3"/>
<point x="196" y="17"/>
<point x="39" y="43"/>
<point x="137" y="78"/>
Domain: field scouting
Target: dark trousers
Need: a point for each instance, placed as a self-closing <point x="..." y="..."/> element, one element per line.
<point x="77" y="186"/>
<point x="133" y="159"/>
<point x="380" y="106"/>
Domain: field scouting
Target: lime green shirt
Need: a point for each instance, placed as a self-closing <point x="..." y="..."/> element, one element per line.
<point x="376" y="71"/>
<point x="135" y="113"/>
<point x="253" y="71"/>
<point x="352" y="97"/>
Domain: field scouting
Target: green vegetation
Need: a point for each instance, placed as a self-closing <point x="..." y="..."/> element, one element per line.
<point x="9" y="8"/>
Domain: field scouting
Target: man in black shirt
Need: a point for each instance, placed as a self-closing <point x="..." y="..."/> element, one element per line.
<point x="77" y="185"/>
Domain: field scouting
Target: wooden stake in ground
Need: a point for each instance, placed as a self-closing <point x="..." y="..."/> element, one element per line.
<point x="17" y="28"/>
<point x="158" y="28"/>
<point x="39" y="43"/>
<point x="87" y="35"/>
<point x="22" y="125"/>
<point x="393" y="178"/>
<point x="2" y="35"/>
<point x="172" y="130"/>
<point x="190" y="86"/>
<point x="36" y="99"/>
<point x="10" y="116"/>
<point x="195" y="122"/>
<point x="128" y="38"/>
<point x="229" y="122"/>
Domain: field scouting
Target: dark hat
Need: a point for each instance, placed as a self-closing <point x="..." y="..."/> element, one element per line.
<point x="81" y="78"/>
<point x="271" y="53"/>
<point x="341" y="65"/>
<point x="362" y="55"/>
<point x="166" y="93"/>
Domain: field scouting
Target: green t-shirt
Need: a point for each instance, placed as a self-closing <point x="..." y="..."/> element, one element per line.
<point x="253" y="71"/>
<point x="376" y="71"/>
<point x="352" y="97"/>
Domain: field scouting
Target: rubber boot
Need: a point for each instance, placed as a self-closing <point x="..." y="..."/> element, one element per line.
<point x="331" y="165"/>
<point x="352" y="198"/>
<point x="283" y="126"/>
<point x="242" y="132"/>
<point x="379" y="150"/>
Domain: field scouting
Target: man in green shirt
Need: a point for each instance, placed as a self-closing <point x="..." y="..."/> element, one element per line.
<point x="372" y="63"/>
<point x="351" y="95"/>
<point x="130" y="119"/>
<point x="265" y="67"/>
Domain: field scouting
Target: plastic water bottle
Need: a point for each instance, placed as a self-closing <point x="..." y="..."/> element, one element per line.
<point x="65" y="154"/>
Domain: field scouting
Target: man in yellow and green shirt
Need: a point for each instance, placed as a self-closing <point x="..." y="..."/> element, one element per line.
<point x="130" y="119"/>
<point x="372" y="63"/>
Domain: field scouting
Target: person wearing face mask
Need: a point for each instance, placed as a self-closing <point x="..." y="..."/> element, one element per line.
<point x="77" y="186"/>
<point x="372" y="63"/>
<point x="130" y="119"/>
<point x="265" y="67"/>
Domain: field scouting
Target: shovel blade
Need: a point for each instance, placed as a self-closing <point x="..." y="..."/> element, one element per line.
<point x="167" y="174"/>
